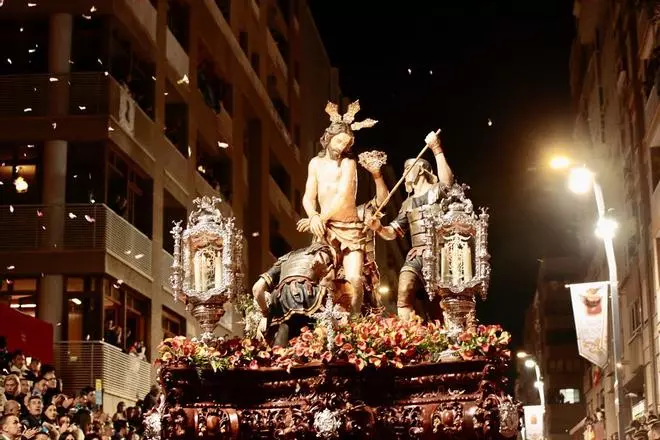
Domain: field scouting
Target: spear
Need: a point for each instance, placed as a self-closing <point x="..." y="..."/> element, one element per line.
<point x="398" y="184"/>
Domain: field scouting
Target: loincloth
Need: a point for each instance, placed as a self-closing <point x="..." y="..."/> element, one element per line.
<point x="345" y="236"/>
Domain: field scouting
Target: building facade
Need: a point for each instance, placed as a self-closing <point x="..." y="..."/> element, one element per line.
<point x="114" y="116"/>
<point x="614" y="82"/>
<point x="550" y="340"/>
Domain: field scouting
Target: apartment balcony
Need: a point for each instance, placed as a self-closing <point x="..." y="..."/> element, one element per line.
<point x="256" y="93"/>
<point x="124" y="377"/>
<point x="284" y="211"/>
<point x="213" y="126"/>
<point x="276" y="56"/>
<point x="71" y="239"/>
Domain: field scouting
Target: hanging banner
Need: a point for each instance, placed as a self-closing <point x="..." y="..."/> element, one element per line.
<point x="590" y="312"/>
<point x="533" y="422"/>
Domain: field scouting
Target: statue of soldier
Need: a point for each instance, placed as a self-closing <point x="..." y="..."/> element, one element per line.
<point x="427" y="189"/>
<point x="298" y="283"/>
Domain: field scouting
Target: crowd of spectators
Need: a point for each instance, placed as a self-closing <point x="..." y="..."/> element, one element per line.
<point x="33" y="406"/>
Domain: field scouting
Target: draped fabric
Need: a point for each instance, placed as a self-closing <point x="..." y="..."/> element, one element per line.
<point x="31" y="335"/>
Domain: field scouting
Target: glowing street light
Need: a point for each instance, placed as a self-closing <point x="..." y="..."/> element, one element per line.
<point x="606" y="228"/>
<point x="522" y="355"/>
<point x="580" y="180"/>
<point x="530" y="363"/>
<point x="560" y="162"/>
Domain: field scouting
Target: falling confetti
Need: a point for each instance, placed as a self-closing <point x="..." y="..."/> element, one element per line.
<point x="9" y="60"/>
<point x="20" y="30"/>
<point x="98" y="60"/>
<point x="11" y="267"/>
<point x="75" y="176"/>
<point x="92" y="9"/>
<point x="54" y="125"/>
<point x="106" y="73"/>
<point x="189" y="151"/>
<point x="110" y="128"/>
<point x="430" y="72"/>
<point x="31" y="5"/>
<point x="72" y="215"/>
<point x="490" y="123"/>
<point x="87" y="17"/>
<point x="43" y="227"/>
<point x="11" y="208"/>
<point x="8" y="281"/>
<point x="153" y="77"/>
<point x="70" y="61"/>
<point x="30" y="145"/>
<point x="120" y="282"/>
<point x="2" y="2"/>
<point x="255" y="234"/>
<point x="223" y="144"/>
<point x="39" y="213"/>
<point x="82" y="107"/>
<point x="128" y="252"/>
<point x="138" y="256"/>
<point x="32" y="50"/>
<point x="409" y="71"/>
<point x="27" y="109"/>
<point x="183" y="80"/>
<point x="89" y="219"/>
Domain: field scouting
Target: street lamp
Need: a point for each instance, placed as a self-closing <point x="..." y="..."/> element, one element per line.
<point x="532" y="364"/>
<point x="580" y="180"/>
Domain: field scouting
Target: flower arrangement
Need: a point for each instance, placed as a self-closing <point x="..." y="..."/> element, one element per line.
<point x="371" y="341"/>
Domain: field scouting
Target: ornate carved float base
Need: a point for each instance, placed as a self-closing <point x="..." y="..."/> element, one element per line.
<point x="431" y="401"/>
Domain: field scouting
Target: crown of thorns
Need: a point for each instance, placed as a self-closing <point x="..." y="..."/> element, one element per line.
<point x="348" y="118"/>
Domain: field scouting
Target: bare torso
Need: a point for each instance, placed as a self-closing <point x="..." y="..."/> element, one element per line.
<point x="336" y="187"/>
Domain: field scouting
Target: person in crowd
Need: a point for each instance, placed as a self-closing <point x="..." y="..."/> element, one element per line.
<point x="17" y="364"/>
<point x="34" y="418"/>
<point x="11" y="428"/>
<point x="33" y="370"/>
<point x="121" y="430"/>
<point x="47" y="372"/>
<point x="121" y="412"/>
<point x="150" y="399"/>
<point x="12" y="387"/>
<point x="12" y="407"/>
<point x="26" y="388"/>
<point x="40" y="388"/>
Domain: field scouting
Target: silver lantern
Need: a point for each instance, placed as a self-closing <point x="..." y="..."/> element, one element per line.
<point x="456" y="266"/>
<point x="206" y="271"/>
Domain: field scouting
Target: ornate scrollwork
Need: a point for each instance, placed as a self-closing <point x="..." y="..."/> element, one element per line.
<point x="447" y="418"/>
<point x="213" y="422"/>
<point x="263" y="423"/>
<point x="174" y="423"/>
<point x="404" y="422"/>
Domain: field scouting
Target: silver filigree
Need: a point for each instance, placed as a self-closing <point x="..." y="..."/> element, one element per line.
<point x="206" y="268"/>
<point x="327" y="424"/>
<point x="455" y="262"/>
<point x="328" y="318"/>
<point x="152" y="421"/>
<point x="509" y="418"/>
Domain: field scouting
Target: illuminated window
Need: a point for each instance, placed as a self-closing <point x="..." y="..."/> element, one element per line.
<point x="570" y="395"/>
<point x="20" y="294"/>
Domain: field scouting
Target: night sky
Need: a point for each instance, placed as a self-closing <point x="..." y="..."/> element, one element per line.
<point x="506" y="61"/>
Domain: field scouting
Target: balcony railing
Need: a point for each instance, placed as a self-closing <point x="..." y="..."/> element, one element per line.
<point x="80" y="363"/>
<point x="166" y="261"/>
<point x="79" y="226"/>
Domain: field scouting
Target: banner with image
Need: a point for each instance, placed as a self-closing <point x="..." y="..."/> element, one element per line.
<point x="533" y="422"/>
<point x="590" y="312"/>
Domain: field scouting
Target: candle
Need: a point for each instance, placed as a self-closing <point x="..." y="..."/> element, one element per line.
<point x="444" y="264"/>
<point x="467" y="263"/>
<point x="205" y="271"/>
<point x="455" y="264"/>
<point x="218" y="269"/>
<point x="197" y="266"/>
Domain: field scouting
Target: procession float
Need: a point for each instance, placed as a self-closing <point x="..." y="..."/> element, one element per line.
<point x="319" y="358"/>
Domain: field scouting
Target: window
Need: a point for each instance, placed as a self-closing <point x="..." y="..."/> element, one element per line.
<point x="173" y="324"/>
<point x="20" y="172"/>
<point x="82" y="308"/>
<point x="635" y="316"/>
<point x="20" y="294"/>
<point x="570" y="395"/>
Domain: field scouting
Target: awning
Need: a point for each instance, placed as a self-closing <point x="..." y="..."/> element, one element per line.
<point x="31" y="335"/>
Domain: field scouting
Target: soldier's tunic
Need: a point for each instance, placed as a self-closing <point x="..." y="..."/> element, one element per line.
<point x="295" y="282"/>
<point x="410" y="218"/>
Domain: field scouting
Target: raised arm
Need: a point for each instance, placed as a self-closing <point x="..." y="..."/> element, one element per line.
<point x="347" y="177"/>
<point x="445" y="176"/>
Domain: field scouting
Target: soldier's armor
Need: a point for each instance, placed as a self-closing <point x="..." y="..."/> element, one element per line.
<point x="300" y="263"/>
<point x="415" y="216"/>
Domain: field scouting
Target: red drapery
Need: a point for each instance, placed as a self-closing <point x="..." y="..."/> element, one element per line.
<point x="33" y="336"/>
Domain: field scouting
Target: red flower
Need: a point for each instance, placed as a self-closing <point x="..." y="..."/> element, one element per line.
<point x="254" y="364"/>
